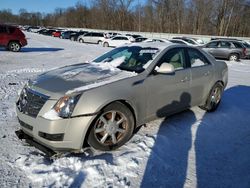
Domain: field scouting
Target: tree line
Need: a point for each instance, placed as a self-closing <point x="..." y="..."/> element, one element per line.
<point x="202" y="17"/>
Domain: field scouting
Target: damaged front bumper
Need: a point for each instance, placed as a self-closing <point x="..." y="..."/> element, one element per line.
<point x="22" y="136"/>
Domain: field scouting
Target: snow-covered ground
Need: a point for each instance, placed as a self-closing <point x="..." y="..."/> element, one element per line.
<point x="190" y="149"/>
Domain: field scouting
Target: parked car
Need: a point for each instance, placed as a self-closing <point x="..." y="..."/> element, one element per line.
<point x="133" y="35"/>
<point x="232" y="50"/>
<point x="34" y="29"/>
<point x="48" y="32"/>
<point x="92" y="37"/>
<point x="180" y="41"/>
<point x="57" y="33"/>
<point x="12" y="38"/>
<point x="156" y="40"/>
<point x="41" y="31"/>
<point x="74" y="36"/>
<point x="192" y="41"/>
<point x="101" y="103"/>
<point x="110" y="35"/>
<point x="117" y="41"/>
<point x="140" y="39"/>
<point x="66" y="34"/>
<point x="247" y="51"/>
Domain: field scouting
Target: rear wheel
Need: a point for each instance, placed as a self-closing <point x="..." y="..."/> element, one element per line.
<point x="14" y="46"/>
<point x="106" y="44"/>
<point x="81" y="40"/>
<point x="112" y="128"/>
<point x="214" y="98"/>
<point x="233" y="57"/>
<point x="72" y="38"/>
<point x="99" y="42"/>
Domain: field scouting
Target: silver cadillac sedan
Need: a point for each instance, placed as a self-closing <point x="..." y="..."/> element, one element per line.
<point x="100" y="103"/>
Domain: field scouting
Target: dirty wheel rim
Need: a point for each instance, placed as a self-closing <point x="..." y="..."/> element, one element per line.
<point x="111" y="128"/>
<point x="14" y="47"/>
<point x="233" y="58"/>
<point x="216" y="95"/>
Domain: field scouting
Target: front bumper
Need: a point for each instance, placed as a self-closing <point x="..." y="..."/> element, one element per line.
<point x="45" y="132"/>
<point x="21" y="135"/>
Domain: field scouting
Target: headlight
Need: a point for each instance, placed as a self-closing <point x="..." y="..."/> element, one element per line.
<point x="65" y="105"/>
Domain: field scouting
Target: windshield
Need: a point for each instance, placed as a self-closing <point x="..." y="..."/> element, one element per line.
<point x="132" y="58"/>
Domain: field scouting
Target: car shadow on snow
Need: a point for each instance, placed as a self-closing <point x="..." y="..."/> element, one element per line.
<point x="167" y="163"/>
<point x="221" y="146"/>
<point x="28" y="49"/>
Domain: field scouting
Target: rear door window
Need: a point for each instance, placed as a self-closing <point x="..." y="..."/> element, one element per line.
<point x="225" y="44"/>
<point x="196" y="58"/>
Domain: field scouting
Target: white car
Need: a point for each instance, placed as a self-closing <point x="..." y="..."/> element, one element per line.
<point x="156" y="40"/>
<point x="118" y="41"/>
<point x="180" y="41"/>
<point x="91" y="37"/>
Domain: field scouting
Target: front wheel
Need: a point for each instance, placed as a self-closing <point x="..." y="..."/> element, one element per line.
<point x="214" y="98"/>
<point x="81" y="40"/>
<point x="112" y="128"/>
<point x="14" y="46"/>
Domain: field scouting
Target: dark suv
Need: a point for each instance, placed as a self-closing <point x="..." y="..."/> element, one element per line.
<point x="232" y="50"/>
<point x="12" y="38"/>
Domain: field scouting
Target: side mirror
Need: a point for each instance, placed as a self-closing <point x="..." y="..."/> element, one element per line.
<point x="165" y="68"/>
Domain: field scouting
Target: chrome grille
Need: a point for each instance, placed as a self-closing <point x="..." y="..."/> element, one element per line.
<point x="30" y="102"/>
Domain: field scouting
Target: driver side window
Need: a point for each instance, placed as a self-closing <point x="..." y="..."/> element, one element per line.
<point x="175" y="57"/>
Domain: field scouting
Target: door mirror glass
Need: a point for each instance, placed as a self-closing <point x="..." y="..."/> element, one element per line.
<point x="165" y="68"/>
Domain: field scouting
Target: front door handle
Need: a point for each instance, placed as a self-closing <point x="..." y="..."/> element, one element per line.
<point x="185" y="79"/>
<point x="206" y="73"/>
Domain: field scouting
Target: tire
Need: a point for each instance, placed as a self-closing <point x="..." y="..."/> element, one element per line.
<point x="112" y="128"/>
<point x="106" y="44"/>
<point x="99" y="42"/>
<point x="81" y="40"/>
<point x="14" y="46"/>
<point x="72" y="38"/>
<point x="214" y="98"/>
<point x="233" y="57"/>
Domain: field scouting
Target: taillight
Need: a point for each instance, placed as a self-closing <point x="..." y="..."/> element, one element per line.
<point x="244" y="51"/>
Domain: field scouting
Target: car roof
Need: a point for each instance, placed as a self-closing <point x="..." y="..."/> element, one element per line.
<point x="225" y="40"/>
<point x="160" y="45"/>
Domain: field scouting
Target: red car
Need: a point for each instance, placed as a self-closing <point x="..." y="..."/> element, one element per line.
<point x="56" y="34"/>
<point x="12" y="38"/>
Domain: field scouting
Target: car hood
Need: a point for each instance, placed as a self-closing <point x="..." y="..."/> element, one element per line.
<point x="77" y="78"/>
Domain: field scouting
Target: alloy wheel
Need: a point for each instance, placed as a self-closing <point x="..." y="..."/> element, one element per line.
<point x="233" y="57"/>
<point x="111" y="127"/>
<point x="216" y="96"/>
<point x="15" y="47"/>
